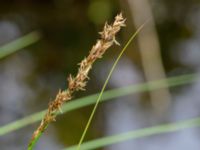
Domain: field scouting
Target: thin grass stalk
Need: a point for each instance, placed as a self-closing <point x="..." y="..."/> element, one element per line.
<point x="105" y="84"/>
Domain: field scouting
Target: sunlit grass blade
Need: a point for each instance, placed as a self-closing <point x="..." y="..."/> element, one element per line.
<point x="105" y="84"/>
<point x="107" y="95"/>
<point x="19" y="44"/>
<point x="166" y="128"/>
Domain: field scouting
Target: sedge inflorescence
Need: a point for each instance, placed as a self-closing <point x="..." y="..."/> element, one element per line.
<point x="79" y="82"/>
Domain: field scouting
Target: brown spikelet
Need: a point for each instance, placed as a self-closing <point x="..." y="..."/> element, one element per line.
<point x="79" y="82"/>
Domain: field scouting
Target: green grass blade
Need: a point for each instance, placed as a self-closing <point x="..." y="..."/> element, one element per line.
<point x="21" y="123"/>
<point x="166" y="128"/>
<point x="107" y="95"/>
<point x="105" y="84"/>
<point x="19" y="44"/>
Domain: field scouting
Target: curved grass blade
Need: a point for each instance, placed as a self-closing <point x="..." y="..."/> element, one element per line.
<point x="105" y="84"/>
<point x="107" y="95"/>
<point x="19" y="44"/>
<point x="166" y="128"/>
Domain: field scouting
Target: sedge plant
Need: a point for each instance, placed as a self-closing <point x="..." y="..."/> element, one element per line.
<point x="79" y="82"/>
<point x="101" y="142"/>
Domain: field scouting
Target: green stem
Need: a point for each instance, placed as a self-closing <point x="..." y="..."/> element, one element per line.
<point x="35" y="140"/>
<point x="105" y="84"/>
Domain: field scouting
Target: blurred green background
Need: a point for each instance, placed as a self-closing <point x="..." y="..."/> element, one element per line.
<point x="65" y="32"/>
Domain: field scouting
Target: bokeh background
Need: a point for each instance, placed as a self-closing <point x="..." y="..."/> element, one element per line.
<point x="169" y="45"/>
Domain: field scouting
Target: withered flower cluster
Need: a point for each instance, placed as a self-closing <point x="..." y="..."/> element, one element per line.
<point x="79" y="82"/>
